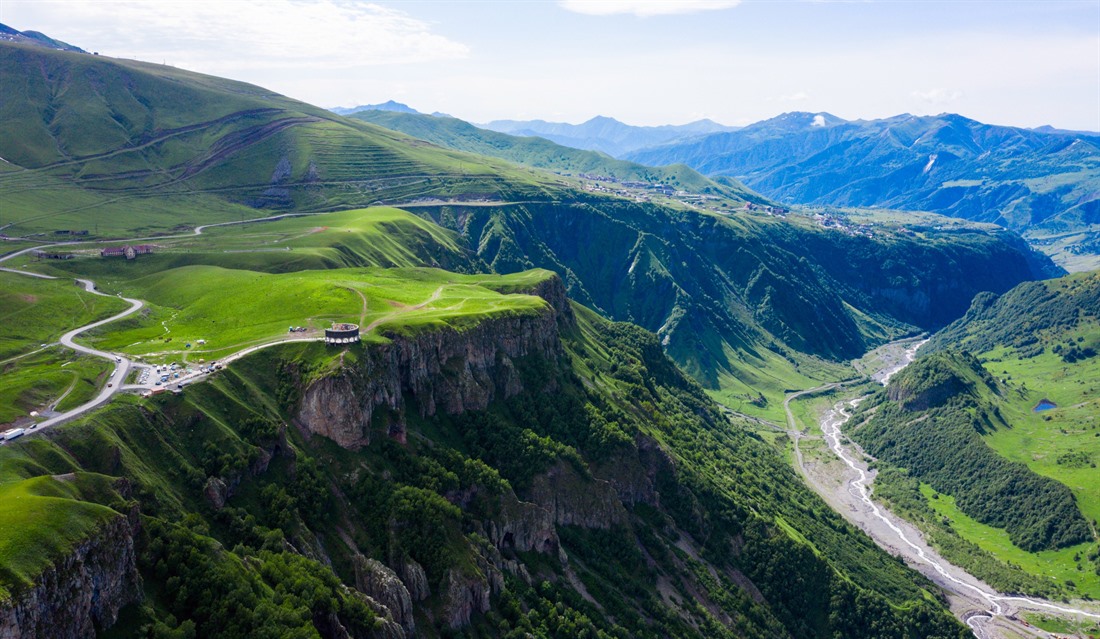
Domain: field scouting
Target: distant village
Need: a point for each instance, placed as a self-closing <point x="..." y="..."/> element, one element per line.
<point x="641" y="191"/>
<point x="842" y="223"/>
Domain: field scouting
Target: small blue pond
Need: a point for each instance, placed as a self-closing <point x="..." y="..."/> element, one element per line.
<point x="1044" y="404"/>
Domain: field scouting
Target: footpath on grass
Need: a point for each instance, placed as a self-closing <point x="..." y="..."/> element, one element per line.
<point x="123" y="364"/>
<point x="989" y="614"/>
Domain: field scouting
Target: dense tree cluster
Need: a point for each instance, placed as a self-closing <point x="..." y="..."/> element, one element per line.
<point x="940" y="443"/>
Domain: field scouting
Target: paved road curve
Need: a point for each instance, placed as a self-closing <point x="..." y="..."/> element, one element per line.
<point x="123" y="364"/>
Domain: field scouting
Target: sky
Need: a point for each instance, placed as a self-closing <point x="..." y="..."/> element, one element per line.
<point x="645" y="62"/>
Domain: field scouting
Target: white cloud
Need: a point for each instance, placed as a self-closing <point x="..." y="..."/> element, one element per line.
<point x="219" y="37"/>
<point x="938" y="95"/>
<point x="798" y="96"/>
<point x="645" y="8"/>
<point x="819" y="120"/>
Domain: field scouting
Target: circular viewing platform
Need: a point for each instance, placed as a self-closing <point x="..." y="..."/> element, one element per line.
<point x="342" y="334"/>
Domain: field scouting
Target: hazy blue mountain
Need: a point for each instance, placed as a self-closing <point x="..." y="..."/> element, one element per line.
<point x="542" y="153"/>
<point x="388" y="105"/>
<point x="948" y="164"/>
<point x="607" y="134"/>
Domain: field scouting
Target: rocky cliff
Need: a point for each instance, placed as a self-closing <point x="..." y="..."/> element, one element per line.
<point x="81" y="592"/>
<point x="449" y="371"/>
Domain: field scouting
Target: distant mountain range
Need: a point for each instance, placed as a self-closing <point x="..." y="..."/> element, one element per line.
<point x="541" y="153"/>
<point x="1043" y="179"/>
<point x="8" y="34"/>
<point x="389" y="105"/>
<point x="607" y="134"/>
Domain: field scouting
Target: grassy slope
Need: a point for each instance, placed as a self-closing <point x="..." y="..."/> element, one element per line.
<point x="737" y="506"/>
<point x="43" y="516"/>
<point x="41" y="379"/>
<point x="235" y="286"/>
<point x="544" y="154"/>
<point x="35" y="312"/>
<point x="118" y="147"/>
<point x="1009" y="332"/>
<point x="232" y="309"/>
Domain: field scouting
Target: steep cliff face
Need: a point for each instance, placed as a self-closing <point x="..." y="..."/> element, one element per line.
<point x="377" y="581"/>
<point x="81" y="592"/>
<point x="446" y="371"/>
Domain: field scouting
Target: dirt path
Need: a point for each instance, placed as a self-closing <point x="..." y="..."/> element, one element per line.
<point x="389" y="316"/>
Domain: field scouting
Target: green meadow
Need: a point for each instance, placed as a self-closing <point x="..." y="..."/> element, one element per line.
<point x="54" y="377"/>
<point x="38" y="373"/>
<point x="231" y="309"/>
<point x="34" y="311"/>
<point x="44" y="517"/>
<point x="1062" y="443"/>
<point x="1063" y="566"/>
<point x="1039" y="341"/>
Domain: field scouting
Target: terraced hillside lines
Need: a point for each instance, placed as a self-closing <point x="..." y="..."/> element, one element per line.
<point x="541" y="153"/>
<point x="124" y="146"/>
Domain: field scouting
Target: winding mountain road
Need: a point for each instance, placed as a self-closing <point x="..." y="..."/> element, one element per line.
<point x="123" y="364"/>
<point x="116" y="382"/>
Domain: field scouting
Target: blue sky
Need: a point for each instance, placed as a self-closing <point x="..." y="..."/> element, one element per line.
<point x="1021" y="63"/>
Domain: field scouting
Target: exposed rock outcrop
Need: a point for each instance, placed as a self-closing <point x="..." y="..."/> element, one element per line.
<point x="573" y="500"/>
<point x="216" y="492"/>
<point x="446" y="371"/>
<point x="467" y="594"/>
<point x="383" y="585"/>
<point x="523" y="526"/>
<point x="415" y="580"/>
<point x="463" y="596"/>
<point x="82" y="591"/>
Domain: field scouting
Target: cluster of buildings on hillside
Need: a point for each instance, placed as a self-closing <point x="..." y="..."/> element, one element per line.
<point x="129" y="251"/>
<point x="840" y="223"/>
<point x="779" y="211"/>
<point x="636" y="189"/>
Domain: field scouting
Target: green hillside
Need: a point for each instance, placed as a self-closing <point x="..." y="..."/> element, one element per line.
<point x="1036" y="347"/>
<point x="747" y="305"/>
<point x="117" y="147"/>
<point x="537" y="152"/>
<point x="722" y="539"/>
<point x="515" y="463"/>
